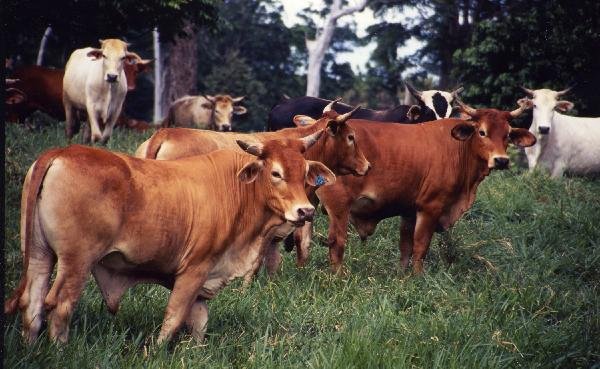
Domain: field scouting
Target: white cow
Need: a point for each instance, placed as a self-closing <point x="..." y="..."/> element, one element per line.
<point x="564" y="143"/>
<point x="95" y="81"/>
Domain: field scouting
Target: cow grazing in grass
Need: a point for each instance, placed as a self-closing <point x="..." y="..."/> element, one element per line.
<point x="91" y="210"/>
<point x="205" y="112"/>
<point x="429" y="107"/>
<point x="565" y="143"/>
<point x="338" y="149"/>
<point x="427" y="173"/>
<point x="95" y="81"/>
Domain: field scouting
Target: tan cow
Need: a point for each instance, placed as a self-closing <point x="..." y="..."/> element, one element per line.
<point x="95" y="81"/>
<point x="205" y="112"/>
<point x="91" y="210"/>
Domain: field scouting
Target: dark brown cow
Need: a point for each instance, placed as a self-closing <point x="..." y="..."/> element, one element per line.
<point x="427" y="173"/>
<point x="91" y="210"/>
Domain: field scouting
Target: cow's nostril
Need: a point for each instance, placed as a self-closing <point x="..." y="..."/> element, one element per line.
<point x="501" y="163"/>
<point x="306" y="213"/>
<point x="544" y="130"/>
<point x="111" y="77"/>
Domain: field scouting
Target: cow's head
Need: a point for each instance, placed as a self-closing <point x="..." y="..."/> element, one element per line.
<point x="339" y="149"/>
<point x="133" y="67"/>
<point x="544" y="102"/>
<point x="114" y="56"/>
<point x="439" y="102"/>
<point x="489" y="132"/>
<point x="222" y="109"/>
<point x="281" y="171"/>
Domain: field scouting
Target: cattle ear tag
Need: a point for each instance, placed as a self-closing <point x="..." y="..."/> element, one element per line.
<point x="319" y="175"/>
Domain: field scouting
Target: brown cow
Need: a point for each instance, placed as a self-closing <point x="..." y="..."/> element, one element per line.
<point x="204" y="112"/>
<point x="91" y="210"/>
<point x="338" y="150"/>
<point x="43" y="88"/>
<point x="427" y="173"/>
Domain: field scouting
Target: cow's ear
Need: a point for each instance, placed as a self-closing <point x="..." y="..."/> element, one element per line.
<point x="564" y="105"/>
<point x="521" y="137"/>
<point x="463" y="131"/>
<point x="303" y="120"/>
<point x="239" y="110"/>
<point x="250" y="171"/>
<point x="254" y="148"/>
<point x="95" y="53"/>
<point x="132" y="58"/>
<point x="318" y="174"/>
<point x="413" y="113"/>
<point x="333" y="127"/>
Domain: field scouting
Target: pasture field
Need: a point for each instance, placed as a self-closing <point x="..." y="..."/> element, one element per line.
<point x="524" y="292"/>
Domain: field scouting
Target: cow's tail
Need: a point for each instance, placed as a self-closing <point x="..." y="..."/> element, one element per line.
<point x="154" y="144"/>
<point x="38" y="172"/>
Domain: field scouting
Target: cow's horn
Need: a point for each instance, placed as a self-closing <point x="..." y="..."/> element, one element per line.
<point x="527" y="91"/>
<point x="413" y="91"/>
<point x="523" y="105"/>
<point x="329" y="106"/>
<point x="560" y="93"/>
<point x="344" y="117"/>
<point x="310" y="140"/>
<point x="458" y="90"/>
<point x="466" y="108"/>
<point x="254" y="148"/>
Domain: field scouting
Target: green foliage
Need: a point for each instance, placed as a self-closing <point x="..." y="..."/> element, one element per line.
<point x="539" y="44"/>
<point x="523" y="292"/>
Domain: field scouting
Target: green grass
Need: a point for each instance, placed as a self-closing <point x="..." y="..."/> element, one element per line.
<point x="523" y="293"/>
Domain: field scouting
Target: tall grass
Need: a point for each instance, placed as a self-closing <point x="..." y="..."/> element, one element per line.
<point x="523" y="292"/>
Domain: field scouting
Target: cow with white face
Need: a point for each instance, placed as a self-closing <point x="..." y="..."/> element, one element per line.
<point x="95" y="81"/>
<point x="439" y="102"/>
<point x="565" y="143"/>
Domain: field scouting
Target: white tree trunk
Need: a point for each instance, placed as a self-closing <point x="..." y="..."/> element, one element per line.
<point x="42" y="49"/>
<point x="318" y="47"/>
<point x="157" y="77"/>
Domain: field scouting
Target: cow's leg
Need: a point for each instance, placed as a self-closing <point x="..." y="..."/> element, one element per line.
<point x="558" y="169"/>
<point x="272" y="258"/>
<point x="303" y="236"/>
<point x="109" y="126"/>
<point x="424" y="228"/>
<point x="39" y="270"/>
<point x="338" y="234"/>
<point x="198" y="319"/>
<point x="180" y="302"/>
<point x="70" y="116"/>
<point x="407" y="231"/>
<point x="93" y="119"/>
<point x="65" y="292"/>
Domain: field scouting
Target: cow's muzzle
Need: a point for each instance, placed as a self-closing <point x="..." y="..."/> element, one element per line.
<point x="225" y="128"/>
<point x="305" y="214"/>
<point x="544" y="130"/>
<point x="501" y="163"/>
<point x="111" y="78"/>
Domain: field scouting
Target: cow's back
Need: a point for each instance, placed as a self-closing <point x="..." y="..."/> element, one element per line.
<point x="282" y="115"/>
<point x="188" y="112"/>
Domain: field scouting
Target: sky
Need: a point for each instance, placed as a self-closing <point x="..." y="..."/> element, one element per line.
<point x="360" y="55"/>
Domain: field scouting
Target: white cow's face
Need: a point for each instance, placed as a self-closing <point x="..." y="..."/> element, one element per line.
<point x="114" y="55"/>
<point x="544" y="102"/>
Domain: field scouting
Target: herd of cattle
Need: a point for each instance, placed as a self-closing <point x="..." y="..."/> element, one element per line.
<point x="232" y="197"/>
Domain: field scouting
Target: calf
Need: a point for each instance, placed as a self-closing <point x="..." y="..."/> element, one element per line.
<point x="95" y="81"/>
<point x="205" y="112"/>
<point x="90" y="210"/>
<point x="427" y="173"/>
<point x="565" y="143"/>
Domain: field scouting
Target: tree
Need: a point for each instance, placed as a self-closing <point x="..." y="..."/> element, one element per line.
<point x="318" y="46"/>
<point x="551" y="44"/>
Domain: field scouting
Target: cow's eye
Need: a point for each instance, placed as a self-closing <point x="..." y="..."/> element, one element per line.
<point x="276" y="174"/>
<point x="351" y="138"/>
<point x="534" y="106"/>
<point x="482" y="133"/>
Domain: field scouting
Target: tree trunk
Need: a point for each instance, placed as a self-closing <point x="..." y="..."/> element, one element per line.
<point x="158" y="82"/>
<point x="180" y="67"/>
<point x="318" y="47"/>
<point x="43" y="43"/>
